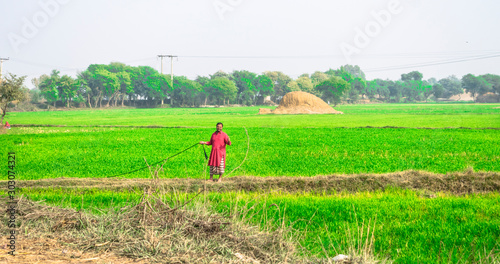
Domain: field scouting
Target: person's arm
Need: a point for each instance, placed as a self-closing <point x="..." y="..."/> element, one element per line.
<point x="206" y="142"/>
<point x="209" y="143"/>
<point x="227" y="140"/>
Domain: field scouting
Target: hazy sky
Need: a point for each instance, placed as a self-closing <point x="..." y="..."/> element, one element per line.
<point x="384" y="37"/>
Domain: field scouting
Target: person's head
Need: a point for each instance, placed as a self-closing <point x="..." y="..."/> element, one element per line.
<point x="219" y="126"/>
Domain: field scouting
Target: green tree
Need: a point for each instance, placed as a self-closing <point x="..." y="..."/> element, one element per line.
<point x="352" y="70"/>
<point x="109" y="83"/>
<point x="451" y="85"/>
<point x="373" y="89"/>
<point x="139" y="78"/>
<point x="11" y="89"/>
<point x="332" y="89"/>
<point x="202" y="80"/>
<point x="48" y="87"/>
<point x="244" y="81"/>
<point x="36" y="94"/>
<point x="318" y="77"/>
<point x="280" y="81"/>
<point x="384" y="93"/>
<point x="474" y="85"/>
<point x="304" y="75"/>
<point x="414" y="88"/>
<point x="158" y="86"/>
<point x="305" y="84"/>
<point x="264" y="86"/>
<point x="221" y="89"/>
<point x="91" y="84"/>
<point x="395" y="90"/>
<point x="494" y="81"/>
<point x="412" y="76"/>
<point x="187" y="92"/>
<point x="220" y="74"/>
<point x="438" y="90"/>
<point x="355" y="79"/>
<point x="67" y="89"/>
<point x="126" y="88"/>
<point x="292" y="86"/>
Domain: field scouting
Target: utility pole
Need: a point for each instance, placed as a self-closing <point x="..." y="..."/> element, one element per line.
<point x="171" y="72"/>
<point x="1" y="62"/>
<point x="161" y="57"/>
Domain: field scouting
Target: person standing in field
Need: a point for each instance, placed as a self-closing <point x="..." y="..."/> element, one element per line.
<point x="217" y="160"/>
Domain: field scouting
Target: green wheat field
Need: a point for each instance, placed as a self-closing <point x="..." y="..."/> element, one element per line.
<point x="405" y="225"/>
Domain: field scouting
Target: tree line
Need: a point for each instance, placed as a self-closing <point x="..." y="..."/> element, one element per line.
<point x="118" y="84"/>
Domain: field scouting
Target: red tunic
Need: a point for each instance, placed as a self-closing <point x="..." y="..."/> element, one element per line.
<point x="219" y="140"/>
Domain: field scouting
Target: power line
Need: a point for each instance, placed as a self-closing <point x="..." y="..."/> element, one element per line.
<point x="434" y="63"/>
<point x="326" y="56"/>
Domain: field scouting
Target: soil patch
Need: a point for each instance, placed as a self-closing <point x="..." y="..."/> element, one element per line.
<point x="51" y="250"/>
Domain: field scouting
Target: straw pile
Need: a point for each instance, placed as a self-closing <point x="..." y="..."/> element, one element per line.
<point x="301" y="103"/>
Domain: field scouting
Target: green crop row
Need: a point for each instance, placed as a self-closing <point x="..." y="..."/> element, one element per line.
<point x="411" y="115"/>
<point x="272" y="152"/>
<point x="407" y="226"/>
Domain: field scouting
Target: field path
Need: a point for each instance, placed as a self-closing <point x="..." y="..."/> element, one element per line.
<point x="456" y="183"/>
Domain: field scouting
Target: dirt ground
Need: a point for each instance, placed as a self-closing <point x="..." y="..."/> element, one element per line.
<point x="49" y="250"/>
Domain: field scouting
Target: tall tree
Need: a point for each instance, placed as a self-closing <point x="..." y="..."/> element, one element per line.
<point x="395" y="90"/>
<point x="67" y="88"/>
<point x="158" y="86"/>
<point x="139" y="78"/>
<point x="220" y="74"/>
<point x="305" y="84"/>
<point x="357" y="83"/>
<point x="244" y="81"/>
<point x="187" y="92"/>
<point x="451" y="86"/>
<point x="48" y="87"/>
<point x="494" y="81"/>
<point x="126" y="87"/>
<point x="318" y="77"/>
<point x="354" y="70"/>
<point x="280" y="81"/>
<point x="414" y="88"/>
<point x="221" y="89"/>
<point x="292" y="86"/>
<point x="412" y="76"/>
<point x="37" y="93"/>
<point x="438" y="90"/>
<point x="109" y="83"/>
<point x="333" y="88"/>
<point x="11" y="89"/>
<point x="202" y="80"/>
<point x="264" y="86"/>
<point x="473" y="84"/>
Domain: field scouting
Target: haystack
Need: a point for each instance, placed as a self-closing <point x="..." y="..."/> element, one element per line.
<point x="302" y="103"/>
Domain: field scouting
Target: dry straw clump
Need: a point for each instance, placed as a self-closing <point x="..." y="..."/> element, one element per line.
<point x="164" y="226"/>
<point x="301" y="103"/>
